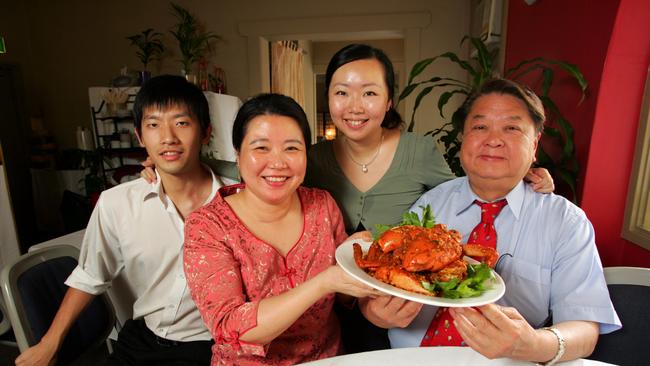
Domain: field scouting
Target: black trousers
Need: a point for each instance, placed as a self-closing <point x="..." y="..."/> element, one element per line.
<point x="138" y="346"/>
<point x="357" y="333"/>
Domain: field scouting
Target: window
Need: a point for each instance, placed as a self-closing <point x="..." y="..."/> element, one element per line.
<point x="636" y="227"/>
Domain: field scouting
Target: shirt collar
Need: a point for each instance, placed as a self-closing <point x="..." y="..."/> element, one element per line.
<point x="466" y="198"/>
<point x="156" y="188"/>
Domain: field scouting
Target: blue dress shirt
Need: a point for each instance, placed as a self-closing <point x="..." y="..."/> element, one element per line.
<point x="553" y="271"/>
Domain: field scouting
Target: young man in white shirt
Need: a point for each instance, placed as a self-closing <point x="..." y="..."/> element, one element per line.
<point x="136" y="231"/>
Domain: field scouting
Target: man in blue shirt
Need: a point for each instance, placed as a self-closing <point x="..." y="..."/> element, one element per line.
<point x="549" y="262"/>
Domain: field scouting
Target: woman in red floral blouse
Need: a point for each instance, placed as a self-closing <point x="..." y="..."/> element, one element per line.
<point x="259" y="259"/>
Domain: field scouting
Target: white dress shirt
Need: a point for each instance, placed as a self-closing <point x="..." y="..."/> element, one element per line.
<point x="135" y="231"/>
<point x="552" y="269"/>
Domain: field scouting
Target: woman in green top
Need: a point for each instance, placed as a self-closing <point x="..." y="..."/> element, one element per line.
<point x="375" y="171"/>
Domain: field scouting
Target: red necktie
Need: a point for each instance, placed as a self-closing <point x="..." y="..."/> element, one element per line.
<point x="441" y="331"/>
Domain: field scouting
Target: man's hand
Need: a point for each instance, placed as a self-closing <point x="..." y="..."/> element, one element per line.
<point x="496" y="331"/>
<point x="389" y="311"/>
<point x="41" y="354"/>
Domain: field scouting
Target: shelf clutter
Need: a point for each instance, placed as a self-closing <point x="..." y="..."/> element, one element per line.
<point x="118" y="147"/>
<point x="112" y="123"/>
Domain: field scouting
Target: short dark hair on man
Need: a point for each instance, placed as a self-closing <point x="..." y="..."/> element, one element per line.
<point x="165" y="91"/>
<point x="355" y="52"/>
<point x="269" y="104"/>
<point x="507" y="87"/>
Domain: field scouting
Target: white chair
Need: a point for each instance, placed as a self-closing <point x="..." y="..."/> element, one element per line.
<point x="5" y="325"/>
<point x="627" y="276"/>
<point x="629" y="289"/>
<point x="33" y="288"/>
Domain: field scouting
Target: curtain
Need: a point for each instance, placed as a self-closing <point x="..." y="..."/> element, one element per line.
<point x="287" y="70"/>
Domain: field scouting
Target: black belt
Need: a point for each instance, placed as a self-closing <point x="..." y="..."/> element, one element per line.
<point x="167" y="342"/>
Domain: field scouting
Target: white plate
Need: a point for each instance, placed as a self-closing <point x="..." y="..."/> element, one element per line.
<point x="345" y="258"/>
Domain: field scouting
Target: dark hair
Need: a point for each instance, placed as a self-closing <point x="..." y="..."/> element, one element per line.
<point x="269" y="104"/>
<point x="165" y="91"/>
<point x="355" y="52"/>
<point x="507" y="87"/>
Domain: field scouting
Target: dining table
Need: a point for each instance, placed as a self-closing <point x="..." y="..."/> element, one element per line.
<point x="453" y="356"/>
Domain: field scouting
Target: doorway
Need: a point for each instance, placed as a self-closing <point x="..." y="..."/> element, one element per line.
<point x="404" y="28"/>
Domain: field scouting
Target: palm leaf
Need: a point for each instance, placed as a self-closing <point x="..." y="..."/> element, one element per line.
<point x="444" y="98"/>
<point x="418" y="99"/>
<point x="418" y="68"/>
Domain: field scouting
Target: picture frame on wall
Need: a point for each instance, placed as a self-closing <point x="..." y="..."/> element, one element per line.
<point x="636" y="222"/>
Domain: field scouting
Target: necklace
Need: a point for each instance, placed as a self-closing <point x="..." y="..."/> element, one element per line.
<point x="364" y="167"/>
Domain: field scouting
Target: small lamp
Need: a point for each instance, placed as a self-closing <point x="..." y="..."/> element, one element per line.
<point x="2" y="45"/>
<point x="330" y="133"/>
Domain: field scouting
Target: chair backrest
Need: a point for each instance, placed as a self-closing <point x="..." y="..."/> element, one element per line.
<point x="33" y="288"/>
<point x="627" y="276"/>
<point x="5" y="325"/>
<point x="629" y="289"/>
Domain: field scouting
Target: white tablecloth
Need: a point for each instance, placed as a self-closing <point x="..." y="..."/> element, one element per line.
<point x="457" y="356"/>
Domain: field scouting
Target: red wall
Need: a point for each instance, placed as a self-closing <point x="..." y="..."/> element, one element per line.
<point x="614" y="133"/>
<point x="575" y="31"/>
<point x="610" y="41"/>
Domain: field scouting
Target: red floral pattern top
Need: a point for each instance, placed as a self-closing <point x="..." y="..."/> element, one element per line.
<point x="229" y="271"/>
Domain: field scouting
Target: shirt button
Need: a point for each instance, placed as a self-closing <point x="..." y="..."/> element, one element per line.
<point x="358" y="215"/>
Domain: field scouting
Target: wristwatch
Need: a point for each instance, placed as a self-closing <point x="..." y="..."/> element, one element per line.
<point x="560" y="349"/>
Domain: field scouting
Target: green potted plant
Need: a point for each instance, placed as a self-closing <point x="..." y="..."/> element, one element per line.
<point x="193" y="41"/>
<point x="481" y="67"/>
<point x="150" y="48"/>
<point x="89" y="161"/>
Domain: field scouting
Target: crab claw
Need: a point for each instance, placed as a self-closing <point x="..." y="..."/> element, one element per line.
<point x="481" y="253"/>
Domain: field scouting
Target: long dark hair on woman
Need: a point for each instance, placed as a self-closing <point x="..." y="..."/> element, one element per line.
<point x="355" y="52"/>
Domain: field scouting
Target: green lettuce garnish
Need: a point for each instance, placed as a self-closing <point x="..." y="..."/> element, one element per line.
<point x="410" y="218"/>
<point x="474" y="285"/>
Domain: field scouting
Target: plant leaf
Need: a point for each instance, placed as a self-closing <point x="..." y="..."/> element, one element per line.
<point x="444" y="98"/>
<point x="547" y="77"/>
<point x="483" y="57"/>
<point x="462" y="63"/>
<point x="418" y="68"/>
<point x="543" y="159"/>
<point x="552" y="131"/>
<point x="418" y="99"/>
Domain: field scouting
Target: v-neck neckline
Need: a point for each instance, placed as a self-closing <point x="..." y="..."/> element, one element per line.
<point x="389" y="170"/>
<point x="243" y="226"/>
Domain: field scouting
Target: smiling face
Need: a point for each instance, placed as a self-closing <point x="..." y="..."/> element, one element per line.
<point x="358" y="98"/>
<point x="273" y="158"/>
<point x="173" y="139"/>
<point x="499" y="143"/>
